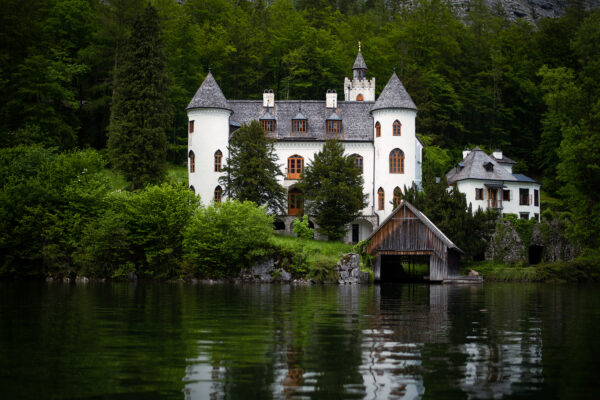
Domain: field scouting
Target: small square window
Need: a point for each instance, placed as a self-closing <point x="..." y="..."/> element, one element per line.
<point x="478" y="194"/>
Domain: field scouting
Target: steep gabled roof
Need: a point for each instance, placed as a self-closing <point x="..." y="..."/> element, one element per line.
<point x="209" y="95"/>
<point x="473" y="167"/>
<point x="359" y="63"/>
<point x="394" y="95"/>
<point x="423" y="218"/>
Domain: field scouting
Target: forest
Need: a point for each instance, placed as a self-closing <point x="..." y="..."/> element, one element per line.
<point x="487" y="80"/>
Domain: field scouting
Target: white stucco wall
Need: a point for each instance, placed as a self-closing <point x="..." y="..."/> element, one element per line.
<point x="508" y="207"/>
<point x="308" y="149"/>
<point x="211" y="133"/>
<point x="384" y="145"/>
<point x="354" y="87"/>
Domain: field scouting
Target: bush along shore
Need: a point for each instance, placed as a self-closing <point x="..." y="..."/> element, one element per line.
<point x="61" y="217"/>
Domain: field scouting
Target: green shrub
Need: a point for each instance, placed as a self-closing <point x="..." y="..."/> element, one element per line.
<point x="301" y="229"/>
<point x="220" y="240"/>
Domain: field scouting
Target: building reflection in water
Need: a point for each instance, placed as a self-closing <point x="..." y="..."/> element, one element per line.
<point x="386" y="341"/>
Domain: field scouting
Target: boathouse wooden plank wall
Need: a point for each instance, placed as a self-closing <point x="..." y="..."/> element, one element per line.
<point x="409" y="232"/>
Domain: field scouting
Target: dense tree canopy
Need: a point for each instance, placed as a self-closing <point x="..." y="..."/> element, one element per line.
<point x="481" y="80"/>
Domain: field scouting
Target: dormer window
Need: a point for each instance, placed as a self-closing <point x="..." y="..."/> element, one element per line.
<point x="333" y="125"/>
<point x="267" y="122"/>
<point x="299" y="123"/>
<point x="489" y="167"/>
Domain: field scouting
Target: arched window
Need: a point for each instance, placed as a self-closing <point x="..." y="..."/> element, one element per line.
<point x="192" y="161"/>
<point x="360" y="98"/>
<point x="377" y="129"/>
<point x="397" y="196"/>
<point x="218" y="160"/>
<point x="396" y="162"/>
<point x="397" y="128"/>
<point x="191" y="126"/>
<point x="358" y="161"/>
<point x="218" y="194"/>
<point x="295" y="166"/>
<point x="381" y="199"/>
<point x="193" y="189"/>
<point x="295" y="202"/>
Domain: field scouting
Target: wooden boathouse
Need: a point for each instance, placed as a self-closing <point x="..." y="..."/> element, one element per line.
<point x="407" y="234"/>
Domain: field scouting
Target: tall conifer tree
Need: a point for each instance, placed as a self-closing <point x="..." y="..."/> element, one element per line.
<point x="252" y="170"/>
<point x="140" y="111"/>
<point x="332" y="186"/>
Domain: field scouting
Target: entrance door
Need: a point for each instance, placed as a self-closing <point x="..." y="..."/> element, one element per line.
<point x="492" y="198"/>
<point x="354" y="233"/>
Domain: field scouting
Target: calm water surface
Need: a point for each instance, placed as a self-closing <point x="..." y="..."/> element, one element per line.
<point x="169" y="341"/>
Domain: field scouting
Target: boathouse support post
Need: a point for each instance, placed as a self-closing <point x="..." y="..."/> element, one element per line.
<point x="377" y="267"/>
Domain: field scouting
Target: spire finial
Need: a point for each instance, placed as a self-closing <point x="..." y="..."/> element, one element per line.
<point x="394" y="69"/>
<point x="359" y="45"/>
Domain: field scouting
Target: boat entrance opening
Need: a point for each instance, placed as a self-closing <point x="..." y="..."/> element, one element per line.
<point x="404" y="268"/>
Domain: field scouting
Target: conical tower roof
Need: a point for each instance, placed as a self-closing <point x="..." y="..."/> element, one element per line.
<point x="394" y="95"/>
<point x="359" y="63"/>
<point x="209" y="95"/>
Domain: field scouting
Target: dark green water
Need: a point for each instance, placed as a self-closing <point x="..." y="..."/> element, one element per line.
<point x="169" y="341"/>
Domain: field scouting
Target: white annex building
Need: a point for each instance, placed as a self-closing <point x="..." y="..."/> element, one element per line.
<point x="488" y="182"/>
<point x="378" y="133"/>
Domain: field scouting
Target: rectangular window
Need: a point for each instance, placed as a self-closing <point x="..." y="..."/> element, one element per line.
<point x="268" y="125"/>
<point x="524" y="197"/>
<point x="536" y="197"/>
<point x="524" y="215"/>
<point x="506" y="195"/>
<point x="218" y="163"/>
<point x="478" y="194"/>
<point x="334" y="127"/>
<point x="537" y="217"/>
<point x="300" y="125"/>
<point x="191" y="126"/>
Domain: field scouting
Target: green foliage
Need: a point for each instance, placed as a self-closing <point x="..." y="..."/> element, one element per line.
<point x="45" y="202"/>
<point x="301" y="228"/>
<point x="140" y="108"/>
<point x="251" y="171"/>
<point x="448" y="210"/>
<point x="220" y="240"/>
<point x="332" y="187"/>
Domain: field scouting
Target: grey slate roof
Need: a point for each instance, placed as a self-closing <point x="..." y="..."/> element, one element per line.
<point x="357" y="123"/>
<point x="334" y="117"/>
<point x="359" y="63"/>
<point x="504" y="160"/>
<point x="473" y="168"/>
<point x="299" y="115"/>
<point x="267" y="116"/>
<point x="209" y="95"/>
<point x="394" y="95"/>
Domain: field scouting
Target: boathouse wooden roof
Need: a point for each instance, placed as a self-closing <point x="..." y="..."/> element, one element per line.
<point x="408" y="232"/>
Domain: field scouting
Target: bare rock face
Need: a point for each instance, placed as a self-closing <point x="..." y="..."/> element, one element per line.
<point x="551" y="236"/>
<point x="530" y="10"/>
<point x="348" y="270"/>
<point x="506" y="245"/>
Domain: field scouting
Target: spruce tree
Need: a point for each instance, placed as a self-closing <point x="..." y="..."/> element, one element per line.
<point x="140" y="110"/>
<point x="252" y="170"/>
<point x="332" y="187"/>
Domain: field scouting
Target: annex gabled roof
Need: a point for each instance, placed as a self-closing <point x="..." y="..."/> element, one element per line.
<point x="423" y="218"/>
<point x="209" y="95"/>
<point x="474" y="167"/>
<point x="394" y="95"/>
<point x="359" y="63"/>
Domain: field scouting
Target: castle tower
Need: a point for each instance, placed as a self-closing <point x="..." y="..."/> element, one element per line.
<point x="208" y="137"/>
<point x="359" y="88"/>
<point x="397" y="149"/>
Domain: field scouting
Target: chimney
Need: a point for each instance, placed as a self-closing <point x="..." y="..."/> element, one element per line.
<point x="497" y="154"/>
<point x="331" y="99"/>
<point x="268" y="98"/>
<point x="466" y="152"/>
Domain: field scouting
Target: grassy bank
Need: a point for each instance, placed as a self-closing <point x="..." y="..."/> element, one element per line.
<point x="583" y="269"/>
<point x="307" y="257"/>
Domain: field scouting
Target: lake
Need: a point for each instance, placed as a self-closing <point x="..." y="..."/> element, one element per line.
<point x="411" y="341"/>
